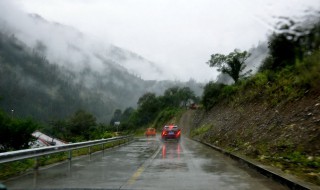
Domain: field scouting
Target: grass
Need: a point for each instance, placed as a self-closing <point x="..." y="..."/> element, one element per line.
<point x="296" y="163"/>
<point x="15" y="168"/>
<point x="288" y="84"/>
<point x="170" y="115"/>
<point x="200" y="130"/>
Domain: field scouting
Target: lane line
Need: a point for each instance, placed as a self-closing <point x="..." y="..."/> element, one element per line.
<point x="135" y="176"/>
<point x="140" y="170"/>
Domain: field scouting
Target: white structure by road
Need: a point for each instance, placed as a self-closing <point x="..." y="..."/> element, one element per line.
<point x="45" y="140"/>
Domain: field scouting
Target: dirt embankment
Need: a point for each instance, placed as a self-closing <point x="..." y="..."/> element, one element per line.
<point x="286" y="136"/>
<point x="186" y="122"/>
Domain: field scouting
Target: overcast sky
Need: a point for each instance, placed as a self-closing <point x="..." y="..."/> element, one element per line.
<point x="178" y="35"/>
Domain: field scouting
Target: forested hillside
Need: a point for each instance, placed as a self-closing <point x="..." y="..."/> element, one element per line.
<point x="33" y="86"/>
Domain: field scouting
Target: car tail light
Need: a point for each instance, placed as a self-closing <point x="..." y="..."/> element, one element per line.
<point x="178" y="133"/>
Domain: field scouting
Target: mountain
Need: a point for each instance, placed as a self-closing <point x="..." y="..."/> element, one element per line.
<point x="67" y="46"/>
<point x="48" y="71"/>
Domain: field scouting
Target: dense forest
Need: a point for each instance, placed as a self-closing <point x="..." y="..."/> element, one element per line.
<point x="33" y="86"/>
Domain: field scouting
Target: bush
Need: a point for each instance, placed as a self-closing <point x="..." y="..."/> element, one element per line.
<point x="260" y="79"/>
<point x="229" y="91"/>
<point x="165" y="116"/>
<point x="308" y="71"/>
<point x="200" y="130"/>
<point x="287" y="84"/>
<point x="107" y="135"/>
<point x="15" y="133"/>
<point x="211" y="94"/>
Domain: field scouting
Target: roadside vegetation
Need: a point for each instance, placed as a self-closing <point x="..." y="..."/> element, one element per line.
<point x="16" y="134"/>
<point x="273" y="87"/>
<point x="152" y="111"/>
<point x="19" y="167"/>
<point x="156" y="111"/>
<point x="290" y="69"/>
<point x="260" y="119"/>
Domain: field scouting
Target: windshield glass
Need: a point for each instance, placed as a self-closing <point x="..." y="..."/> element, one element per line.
<point x="108" y="93"/>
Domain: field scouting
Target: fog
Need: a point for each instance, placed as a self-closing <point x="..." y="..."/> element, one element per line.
<point x="175" y="38"/>
<point x="68" y="47"/>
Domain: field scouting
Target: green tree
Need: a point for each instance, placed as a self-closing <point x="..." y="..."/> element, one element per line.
<point x="146" y="98"/>
<point x="176" y="97"/>
<point x="59" y="129"/>
<point x="127" y="113"/>
<point x="171" y="97"/>
<point x="293" y="41"/>
<point x="185" y="95"/>
<point x="148" y="108"/>
<point x="232" y="64"/>
<point x="15" y="133"/>
<point x="282" y="52"/>
<point x="211" y="94"/>
<point x="81" y="124"/>
<point x="116" y="116"/>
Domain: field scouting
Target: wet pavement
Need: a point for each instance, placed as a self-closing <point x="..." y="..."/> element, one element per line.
<point x="148" y="163"/>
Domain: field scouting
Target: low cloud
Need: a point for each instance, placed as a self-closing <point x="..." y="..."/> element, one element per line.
<point x="177" y="36"/>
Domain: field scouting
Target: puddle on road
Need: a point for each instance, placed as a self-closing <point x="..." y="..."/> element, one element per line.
<point x="167" y="167"/>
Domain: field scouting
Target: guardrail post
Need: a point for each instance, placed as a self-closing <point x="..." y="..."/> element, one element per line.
<point x="36" y="163"/>
<point x="69" y="155"/>
<point x="89" y="152"/>
<point x="69" y="159"/>
<point x="103" y="149"/>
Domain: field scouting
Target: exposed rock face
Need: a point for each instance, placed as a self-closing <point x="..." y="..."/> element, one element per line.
<point x="286" y="136"/>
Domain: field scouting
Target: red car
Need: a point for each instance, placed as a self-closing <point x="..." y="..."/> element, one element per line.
<point x="171" y="132"/>
<point x="150" y="132"/>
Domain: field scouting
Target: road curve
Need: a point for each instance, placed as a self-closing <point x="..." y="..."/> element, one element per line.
<point x="148" y="163"/>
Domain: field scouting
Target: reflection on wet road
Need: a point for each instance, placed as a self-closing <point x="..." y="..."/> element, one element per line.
<point x="149" y="164"/>
<point x="190" y="165"/>
<point x="171" y="150"/>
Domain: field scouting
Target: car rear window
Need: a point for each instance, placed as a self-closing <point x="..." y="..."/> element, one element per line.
<point x="173" y="128"/>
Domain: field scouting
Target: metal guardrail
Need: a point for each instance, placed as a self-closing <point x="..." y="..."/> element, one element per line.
<point x="38" y="152"/>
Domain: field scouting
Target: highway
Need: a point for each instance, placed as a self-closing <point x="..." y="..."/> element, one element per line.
<point x="148" y="163"/>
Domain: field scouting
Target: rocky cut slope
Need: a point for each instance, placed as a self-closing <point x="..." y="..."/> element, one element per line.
<point x="274" y="115"/>
<point x="285" y="135"/>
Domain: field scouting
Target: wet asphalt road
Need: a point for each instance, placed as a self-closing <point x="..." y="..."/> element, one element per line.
<point x="148" y="163"/>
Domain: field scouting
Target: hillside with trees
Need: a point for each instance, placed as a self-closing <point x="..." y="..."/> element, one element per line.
<point x="272" y="116"/>
<point x="71" y="103"/>
<point x="32" y="86"/>
<point x="51" y="75"/>
<point x="156" y="110"/>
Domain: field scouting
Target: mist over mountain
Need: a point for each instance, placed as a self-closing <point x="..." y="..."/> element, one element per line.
<point x="48" y="71"/>
<point x="67" y="46"/>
